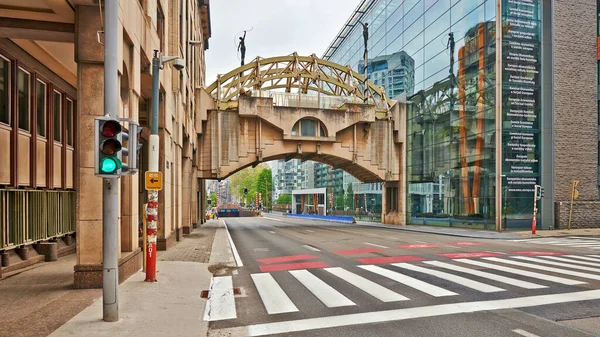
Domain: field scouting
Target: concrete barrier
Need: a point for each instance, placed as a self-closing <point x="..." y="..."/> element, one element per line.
<point x="334" y="218"/>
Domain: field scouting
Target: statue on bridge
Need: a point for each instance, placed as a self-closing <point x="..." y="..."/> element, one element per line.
<point x="242" y="47"/>
<point x="365" y="33"/>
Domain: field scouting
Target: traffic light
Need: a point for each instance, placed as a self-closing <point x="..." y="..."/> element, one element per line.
<point x="539" y="192"/>
<point x="108" y="147"/>
<point x="245" y="190"/>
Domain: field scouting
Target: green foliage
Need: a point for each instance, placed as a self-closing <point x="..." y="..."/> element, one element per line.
<point x="249" y="178"/>
<point x="213" y="199"/>
<point x="350" y="197"/>
<point x="284" y="199"/>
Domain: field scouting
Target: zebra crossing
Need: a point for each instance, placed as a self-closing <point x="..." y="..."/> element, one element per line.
<point x="429" y="278"/>
<point x="570" y="241"/>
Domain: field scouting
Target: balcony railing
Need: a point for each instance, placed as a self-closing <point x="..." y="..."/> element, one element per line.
<point x="30" y="216"/>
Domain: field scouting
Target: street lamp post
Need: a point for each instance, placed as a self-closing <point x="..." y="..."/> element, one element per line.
<point x="152" y="214"/>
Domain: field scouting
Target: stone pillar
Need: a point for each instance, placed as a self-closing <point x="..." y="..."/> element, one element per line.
<point x="49" y="250"/>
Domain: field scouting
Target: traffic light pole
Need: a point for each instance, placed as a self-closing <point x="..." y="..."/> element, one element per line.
<point x="110" y="196"/>
<point x="152" y="215"/>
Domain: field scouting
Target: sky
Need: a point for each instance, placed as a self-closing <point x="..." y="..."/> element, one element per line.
<point x="275" y="28"/>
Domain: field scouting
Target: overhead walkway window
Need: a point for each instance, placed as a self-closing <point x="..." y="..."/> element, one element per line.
<point x="307" y="127"/>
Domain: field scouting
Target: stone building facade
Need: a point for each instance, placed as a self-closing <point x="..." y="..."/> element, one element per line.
<point x="57" y="49"/>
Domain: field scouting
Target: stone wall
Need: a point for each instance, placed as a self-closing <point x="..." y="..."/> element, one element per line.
<point x="586" y="214"/>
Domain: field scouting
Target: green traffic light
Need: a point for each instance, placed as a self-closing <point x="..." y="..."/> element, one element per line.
<point x="109" y="165"/>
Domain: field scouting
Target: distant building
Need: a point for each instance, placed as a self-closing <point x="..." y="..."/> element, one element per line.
<point x="395" y="72"/>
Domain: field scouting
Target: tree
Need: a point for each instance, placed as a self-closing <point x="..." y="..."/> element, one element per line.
<point x="264" y="185"/>
<point x="246" y="178"/>
<point x="213" y="199"/>
<point x="350" y="197"/>
<point x="284" y="199"/>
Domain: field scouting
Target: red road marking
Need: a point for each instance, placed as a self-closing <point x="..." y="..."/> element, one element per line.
<point x="293" y="266"/>
<point x="537" y="253"/>
<point x="287" y="258"/>
<point x="465" y="243"/>
<point x="358" y="251"/>
<point x="389" y="259"/>
<point x="469" y="255"/>
<point x="425" y="245"/>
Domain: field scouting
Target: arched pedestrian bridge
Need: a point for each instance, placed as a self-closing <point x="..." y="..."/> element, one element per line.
<point x="303" y="107"/>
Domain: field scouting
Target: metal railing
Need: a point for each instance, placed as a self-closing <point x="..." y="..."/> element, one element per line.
<point x="30" y="216"/>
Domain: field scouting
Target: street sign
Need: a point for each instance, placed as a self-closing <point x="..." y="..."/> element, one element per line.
<point x="154" y="181"/>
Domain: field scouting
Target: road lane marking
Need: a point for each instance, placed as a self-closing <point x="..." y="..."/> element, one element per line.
<point x="272" y="232"/>
<point x="368" y="286"/>
<point x="531" y="274"/>
<point x="220" y="304"/>
<point x="545" y="268"/>
<point x="409" y="281"/>
<point x="308" y="230"/>
<point x="311" y="248"/>
<point x="389" y="259"/>
<point x="264" y="217"/>
<point x="464" y="243"/>
<point x="465" y="282"/>
<point x="420" y="312"/>
<point x="323" y="291"/>
<point x="563" y="259"/>
<point x="236" y="255"/>
<point x="374" y="245"/>
<point x="423" y="245"/>
<point x="273" y="297"/>
<point x="279" y="259"/>
<point x="559" y="264"/>
<point x="293" y="266"/>
<point x="357" y="251"/>
<point x="585" y="238"/>
<point x="468" y="255"/>
<point x="524" y="333"/>
<point x="482" y="274"/>
<point x="584" y="258"/>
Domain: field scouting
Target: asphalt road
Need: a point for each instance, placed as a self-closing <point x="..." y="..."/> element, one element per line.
<point x="312" y="278"/>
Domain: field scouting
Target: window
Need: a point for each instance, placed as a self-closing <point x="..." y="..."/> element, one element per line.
<point x="69" y="122"/>
<point x="41" y="108"/>
<point x="23" y="99"/>
<point x="4" y="91"/>
<point x="57" y="114"/>
<point x="160" y="25"/>
<point x="308" y="128"/>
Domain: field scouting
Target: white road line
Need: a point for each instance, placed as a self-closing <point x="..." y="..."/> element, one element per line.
<point x="236" y="255"/>
<point x="524" y="333"/>
<point x="559" y="264"/>
<point x="586" y="238"/>
<point x="500" y="253"/>
<point x="420" y="312"/>
<point x="531" y="274"/>
<point x="498" y="278"/>
<point x="311" y="248"/>
<point x="374" y="245"/>
<point x="583" y="258"/>
<point x="308" y="230"/>
<point x="409" y="281"/>
<point x="562" y="259"/>
<point x="272" y="232"/>
<point x="273" y="297"/>
<point x="420" y="241"/>
<point x="370" y="287"/>
<point x="323" y="291"/>
<point x="545" y="268"/>
<point x="484" y="288"/>
<point x="264" y="217"/>
<point x="220" y="304"/>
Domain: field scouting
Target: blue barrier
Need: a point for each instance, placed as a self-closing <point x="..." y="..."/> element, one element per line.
<point x="334" y="218"/>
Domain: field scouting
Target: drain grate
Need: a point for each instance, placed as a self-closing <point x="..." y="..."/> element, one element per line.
<point x="236" y="292"/>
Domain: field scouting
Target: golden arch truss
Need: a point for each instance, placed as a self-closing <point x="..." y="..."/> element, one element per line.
<point x="302" y="75"/>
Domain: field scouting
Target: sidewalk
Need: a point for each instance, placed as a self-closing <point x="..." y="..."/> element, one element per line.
<point x="41" y="300"/>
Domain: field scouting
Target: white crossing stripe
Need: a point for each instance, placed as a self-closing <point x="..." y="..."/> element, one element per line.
<point x="483" y="274"/>
<point x="562" y="259"/>
<point x="273" y="297"/>
<point x="323" y="291"/>
<point x="409" y="281"/>
<point x="586" y="238"/>
<point x="311" y="248"/>
<point x="524" y="333"/>
<point x="484" y="288"/>
<point x="368" y="286"/>
<point x="550" y="269"/>
<point x="220" y="304"/>
<point x="531" y="274"/>
<point x="559" y="264"/>
<point x="587" y="258"/>
<point x="374" y="245"/>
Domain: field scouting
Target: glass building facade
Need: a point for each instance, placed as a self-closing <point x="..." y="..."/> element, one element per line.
<point x="449" y="80"/>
